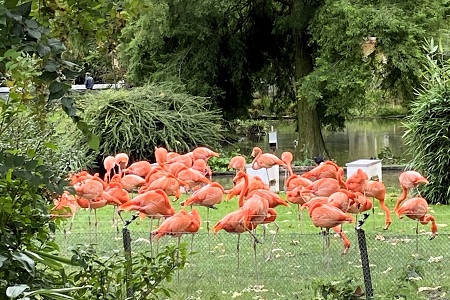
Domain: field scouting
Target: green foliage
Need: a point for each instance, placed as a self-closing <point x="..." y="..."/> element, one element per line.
<point x="91" y="31"/>
<point x="135" y="121"/>
<point x="26" y="186"/>
<point x="343" y="76"/>
<point x="219" y="49"/>
<point x="249" y="127"/>
<point x="336" y="290"/>
<point x="50" y="139"/>
<point x="388" y="158"/>
<point x="31" y="60"/>
<point x="405" y="285"/>
<point x="220" y="163"/>
<point x="107" y="275"/>
<point x="428" y="127"/>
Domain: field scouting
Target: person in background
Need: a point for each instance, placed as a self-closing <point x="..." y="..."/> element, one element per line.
<point x="89" y="82"/>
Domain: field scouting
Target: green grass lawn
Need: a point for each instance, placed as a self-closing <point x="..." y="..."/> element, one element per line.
<point x="298" y="262"/>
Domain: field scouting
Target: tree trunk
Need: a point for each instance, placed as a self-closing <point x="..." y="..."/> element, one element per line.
<point x="310" y="140"/>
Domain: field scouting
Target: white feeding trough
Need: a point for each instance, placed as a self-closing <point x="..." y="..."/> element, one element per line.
<point x="372" y="167"/>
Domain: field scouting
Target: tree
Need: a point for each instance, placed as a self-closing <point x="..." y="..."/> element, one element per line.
<point x="311" y="51"/>
<point x="90" y="29"/>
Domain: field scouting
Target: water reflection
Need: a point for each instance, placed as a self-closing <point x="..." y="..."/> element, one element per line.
<point x="360" y="139"/>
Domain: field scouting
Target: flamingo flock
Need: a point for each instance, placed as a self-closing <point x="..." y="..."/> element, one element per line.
<point x="151" y="189"/>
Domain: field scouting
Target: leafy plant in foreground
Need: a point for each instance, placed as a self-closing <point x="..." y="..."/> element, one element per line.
<point x="345" y="289"/>
<point x="27" y="253"/>
<point x="107" y="274"/>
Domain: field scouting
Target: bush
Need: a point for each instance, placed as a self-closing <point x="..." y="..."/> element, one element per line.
<point x="108" y="274"/>
<point x="135" y="121"/>
<point x="250" y="127"/>
<point x="428" y="129"/>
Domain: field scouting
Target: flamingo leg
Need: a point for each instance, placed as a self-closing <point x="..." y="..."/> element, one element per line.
<point x="256" y="262"/>
<point x="151" y="242"/>
<point x="89" y="221"/>
<point x="114" y="219"/>
<point x="387" y="213"/>
<point x="273" y="241"/>
<point x="192" y="242"/>
<point x="322" y="232"/>
<point x="178" y="258"/>
<point x="65" y="236"/>
<point x="237" y="250"/>
<point x="327" y="238"/>
<point x="96" y="226"/>
<point x="264" y="226"/>
<point x="417" y="236"/>
<point x="71" y="222"/>
<point x="300" y="217"/>
<point x="207" y="229"/>
<point x="254" y="237"/>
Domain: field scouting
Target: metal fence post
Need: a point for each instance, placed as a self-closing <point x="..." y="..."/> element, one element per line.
<point x="127" y="252"/>
<point x="364" y="257"/>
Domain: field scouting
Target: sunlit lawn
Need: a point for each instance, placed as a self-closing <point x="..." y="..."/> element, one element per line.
<point x="298" y="257"/>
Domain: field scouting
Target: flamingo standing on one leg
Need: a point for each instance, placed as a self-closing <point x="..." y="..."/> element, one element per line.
<point x="140" y="168"/>
<point x="208" y="196"/>
<point x="236" y="222"/>
<point x="68" y="204"/>
<point x="161" y="156"/>
<point x="203" y="153"/>
<point x="326" y="169"/>
<point x="409" y="180"/>
<point x="416" y="209"/>
<point x="180" y="223"/>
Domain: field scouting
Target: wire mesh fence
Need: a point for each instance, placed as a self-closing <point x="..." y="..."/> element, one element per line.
<point x="286" y="264"/>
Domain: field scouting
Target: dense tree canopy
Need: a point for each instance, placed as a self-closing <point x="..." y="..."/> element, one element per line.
<point x="329" y="56"/>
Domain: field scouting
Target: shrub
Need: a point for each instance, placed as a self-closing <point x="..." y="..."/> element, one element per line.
<point x="428" y="129"/>
<point x="250" y="127"/>
<point x="51" y="138"/>
<point x="135" y="121"/>
<point x="26" y="248"/>
<point x="107" y="274"/>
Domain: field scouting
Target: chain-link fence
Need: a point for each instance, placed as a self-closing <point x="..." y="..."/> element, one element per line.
<point x="288" y="264"/>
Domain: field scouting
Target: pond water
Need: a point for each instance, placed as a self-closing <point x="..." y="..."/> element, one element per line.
<point x="361" y="138"/>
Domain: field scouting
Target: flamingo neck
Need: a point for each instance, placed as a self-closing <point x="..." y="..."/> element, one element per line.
<point x="340" y="175"/>
<point x="289" y="167"/>
<point x="243" y="191"/>
<point x="259" y="152"/>
<point x="401" y="198"/>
